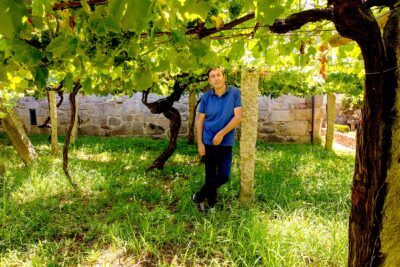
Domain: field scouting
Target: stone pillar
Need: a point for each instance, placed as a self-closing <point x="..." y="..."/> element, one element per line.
<point x="249" y="94"/>
<point x="53" y="122"/>
<point x="17" y="134"/>
<point x="331" y="113"/>
<point x="192" y="115"/>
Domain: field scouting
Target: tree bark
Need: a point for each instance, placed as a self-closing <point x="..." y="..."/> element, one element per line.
<point x="174" y="117"/>
<point x="354" y="21"/>
<point x="331" y="113"/>
<point x="192" y="116"/>
<point x="74" y="133"/>
<point x="53" y="121"/>
<point x="249" y="94"/>
<point x="164" y="106"/>
<point x="390" y="231"/>
<point x="72" y="96"/>
<point x="18" y="136"/>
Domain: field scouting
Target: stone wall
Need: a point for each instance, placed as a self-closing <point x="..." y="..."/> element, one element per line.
<point x="284" y="119"/>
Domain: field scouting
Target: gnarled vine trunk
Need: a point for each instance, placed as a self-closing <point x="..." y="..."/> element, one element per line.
<point x="72" y="103"/>
<point x="374" y="187"/>
<point x="354" y="21"/>
<point x="390" y="229"/>
<point x="164" y="106"/>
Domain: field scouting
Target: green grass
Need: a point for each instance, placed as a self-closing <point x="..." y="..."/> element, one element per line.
<point x="123" y="215"/>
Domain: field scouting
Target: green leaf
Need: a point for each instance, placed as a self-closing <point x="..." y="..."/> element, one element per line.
<point x="98" y="26"/>
<point x="237" y="51"/>
<point x="179" y="37"/>
<point x="198" y="48"/>
<point x="41" y="7"/>
<point x="311" y="50"/>
<point x="268" y="11"/>
<point x="86" y="7"/>
<point x="143" y="78"/>
<point x="163" y="65"/>
<point x="116" y="8"/>
<point x="63" y="47"/>
<point x="87" y="85"/>
<point x="26" y="54"/>
<point x="197" y="9"/>
<point x="270" y="57"/>
<point x="11" y="14"/>
<point x="41" y="75"/>
<point x="68" y="82"/>
<point x="111" y="25"/>
<point x="133" y="49"/>
<point x="137" y="15"/>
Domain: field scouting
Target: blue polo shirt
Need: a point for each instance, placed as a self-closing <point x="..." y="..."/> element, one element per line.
<point x="219" y="112"/>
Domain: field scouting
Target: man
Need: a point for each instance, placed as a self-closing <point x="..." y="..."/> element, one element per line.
<point x="220" y="112"/>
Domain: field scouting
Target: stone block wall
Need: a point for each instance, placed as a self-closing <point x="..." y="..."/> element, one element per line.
<point x="284" y="119"/>
<point x="288" y="118"/>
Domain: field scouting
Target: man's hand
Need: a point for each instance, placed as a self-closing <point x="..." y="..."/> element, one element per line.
<point x="218" y="138"/>
<point x="202" y="149"/>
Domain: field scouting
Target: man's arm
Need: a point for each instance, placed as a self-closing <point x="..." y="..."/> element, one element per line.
<point x="200" y="125"/>
<point x="235" y="121"/>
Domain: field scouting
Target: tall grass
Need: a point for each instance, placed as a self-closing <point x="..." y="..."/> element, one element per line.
<point x="124" y="215"/>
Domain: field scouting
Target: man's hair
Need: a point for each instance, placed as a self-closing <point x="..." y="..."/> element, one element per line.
<point x="215" y="68"/>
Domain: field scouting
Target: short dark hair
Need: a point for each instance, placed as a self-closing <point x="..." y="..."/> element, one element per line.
<point x="215" y="68"/>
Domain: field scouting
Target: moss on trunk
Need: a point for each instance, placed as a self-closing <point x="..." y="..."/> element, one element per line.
<point x="390" y="233"/>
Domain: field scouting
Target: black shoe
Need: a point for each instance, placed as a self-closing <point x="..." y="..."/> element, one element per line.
<point x="199" y="205"/>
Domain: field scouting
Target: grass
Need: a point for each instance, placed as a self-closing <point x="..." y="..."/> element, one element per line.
<point x="123" y="215"/>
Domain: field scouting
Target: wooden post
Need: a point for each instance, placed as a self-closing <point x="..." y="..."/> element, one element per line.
<point x="53" y="122"/>
<point x="249" y="125"/>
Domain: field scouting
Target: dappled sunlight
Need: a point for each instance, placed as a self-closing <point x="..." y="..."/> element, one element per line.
<point x="101" y="157"/>
<point x="126" y="216"/>
<point x="309" y="235"/>
<point x="188" y="160"/>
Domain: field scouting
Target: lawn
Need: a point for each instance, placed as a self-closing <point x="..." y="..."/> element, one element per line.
<point x="123" y="215"/>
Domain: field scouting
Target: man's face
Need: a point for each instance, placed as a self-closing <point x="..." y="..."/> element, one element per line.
<point x="216" y="78"/>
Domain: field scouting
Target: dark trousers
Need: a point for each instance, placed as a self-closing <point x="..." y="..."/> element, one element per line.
<point x="218" y="162"/>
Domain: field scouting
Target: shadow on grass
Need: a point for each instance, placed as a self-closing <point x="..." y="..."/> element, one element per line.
<point x="306" y="176"/>
<point x="121" y="203"/>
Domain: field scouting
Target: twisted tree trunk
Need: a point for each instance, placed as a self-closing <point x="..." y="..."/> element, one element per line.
<point x="390" y="230"/>
<point x="374" y="183"/>
<point x="164" y="106"/>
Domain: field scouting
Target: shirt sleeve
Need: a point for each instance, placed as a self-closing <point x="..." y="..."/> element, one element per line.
<point x="202" y="108"/>
<point x="238" y="101"/>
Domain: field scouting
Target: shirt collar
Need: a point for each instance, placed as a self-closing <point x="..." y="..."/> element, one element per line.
<point x="226" y="91"/>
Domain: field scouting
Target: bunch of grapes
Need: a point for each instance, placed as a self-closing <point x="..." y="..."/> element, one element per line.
<point x="236" y="7"/>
